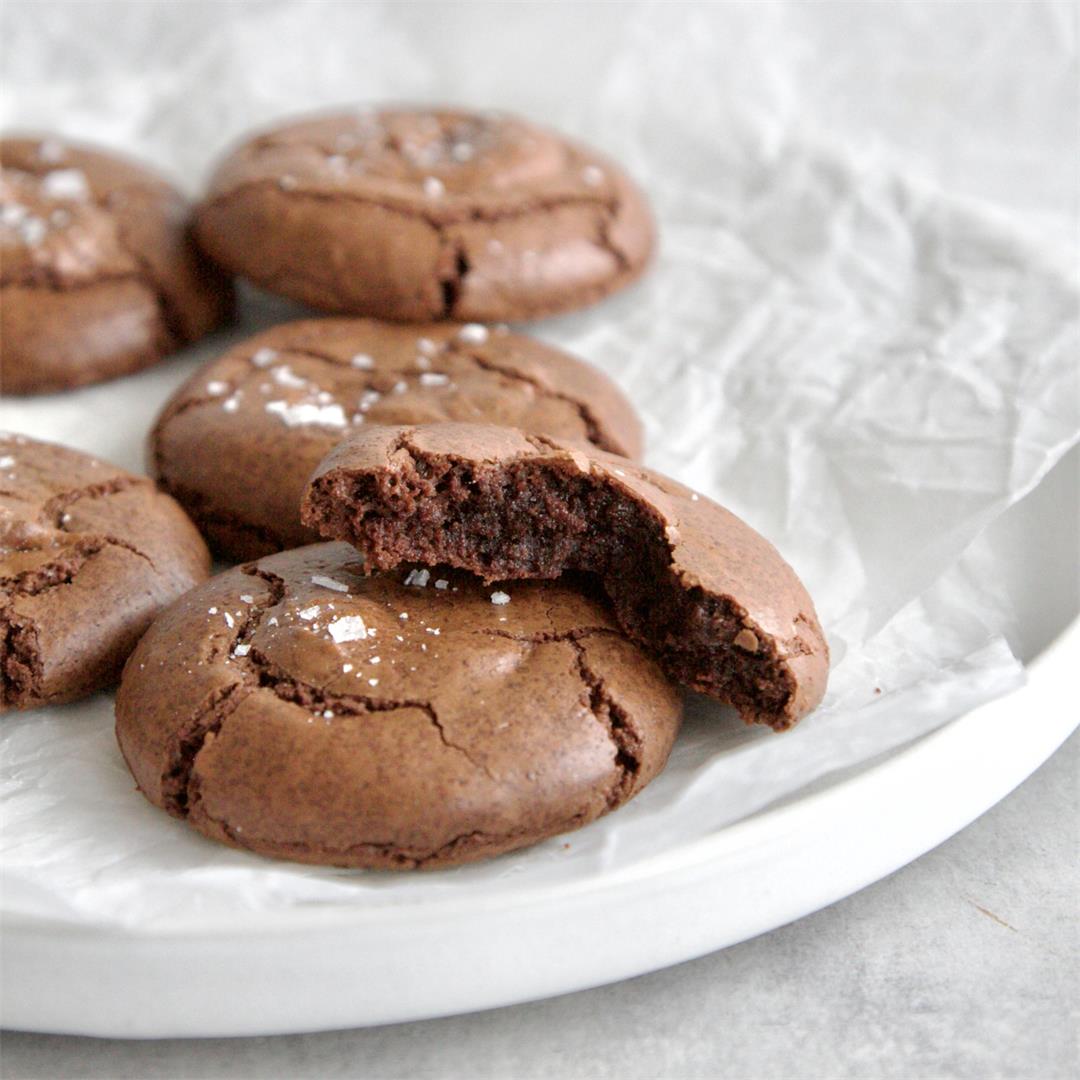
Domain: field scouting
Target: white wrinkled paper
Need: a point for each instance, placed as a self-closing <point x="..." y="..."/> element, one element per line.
<point x="867" y="364"/>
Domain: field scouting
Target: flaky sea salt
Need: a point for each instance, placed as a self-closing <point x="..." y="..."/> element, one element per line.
<point x="32" y="231"/>
<point x="6" y="461"/>
<point x="50" y="150"/>
<point x="473" y="334"/>
<point x="241" y="650"/>
<point x="307" y="412"/>
<point x="442" y="583"/>
<point x="328" y="583"/>
<point x="264" y="357"/>
<point x="309" y="613"/>
<point x="592" y="175"/>
<point x="347" y="628"/>
<point x="65" y="184"/>
<point x="419" y="578"/>
<point x="434" y="187"/>
<point x="215" y="387"/>
<point x="434" y="378"/>
<point x="285" y="376"/>
<point x="13" y="214"/>
<point x="362" y="361"/>
<point x="500" y="598"/>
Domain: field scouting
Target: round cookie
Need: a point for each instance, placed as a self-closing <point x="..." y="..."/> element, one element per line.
<point x="88" y="556"/>
<point x="237" y="444"/>
<point x="691" y="583"/>
<point x="303" y="710"/>
<point x="425" y="214"/>
<point x="99" y="276"/>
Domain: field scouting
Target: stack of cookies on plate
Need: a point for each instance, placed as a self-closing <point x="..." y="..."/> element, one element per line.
<point x="490" y="644"/>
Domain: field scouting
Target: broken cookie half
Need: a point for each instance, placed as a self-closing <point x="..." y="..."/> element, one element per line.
<point x="693" y="585"/>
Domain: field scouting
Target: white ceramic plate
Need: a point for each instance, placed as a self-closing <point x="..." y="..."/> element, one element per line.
<point x="346" y="966"/>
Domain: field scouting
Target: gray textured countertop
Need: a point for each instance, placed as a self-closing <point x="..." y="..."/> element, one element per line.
<point x="962" y="964"/>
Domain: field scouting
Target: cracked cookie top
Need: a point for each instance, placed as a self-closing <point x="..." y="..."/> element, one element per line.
<point x="420" y="214"/>
<point x="301" y="709"/>
<point x="88" y="555"/>
<point x="97" y="271"/>
<point x="238" y="442"/>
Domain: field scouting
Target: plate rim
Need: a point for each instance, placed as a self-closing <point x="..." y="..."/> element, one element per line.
<point x="722" y="842"/>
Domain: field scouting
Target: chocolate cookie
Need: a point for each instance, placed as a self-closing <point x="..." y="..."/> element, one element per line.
<point x="237" y="444"/>
<point x="691" y="583"/>
<point x="88" y="556"/>
<point x="300" y="709"/>
<point x="418" y="215"/>
<point x="98" y="277"/>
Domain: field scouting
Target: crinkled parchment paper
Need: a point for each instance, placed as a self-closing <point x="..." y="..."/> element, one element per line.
<point x="860" y="335"/>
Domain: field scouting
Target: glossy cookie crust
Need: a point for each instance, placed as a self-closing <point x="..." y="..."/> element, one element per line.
<point x="98" y="276"/>
<point x="300" y="709"/>
<point x="419" y="215"/>
<point x="88" y="556"/>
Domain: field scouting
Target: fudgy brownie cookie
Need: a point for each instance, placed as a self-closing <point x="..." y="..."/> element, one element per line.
<point x="237" y="444"/>
<point x="691" y="583"/>
<point x="301" y="709"/>
<point x="419" y="215"/>
<point x="98" y="277"/>
<point x="88" y="556"/>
